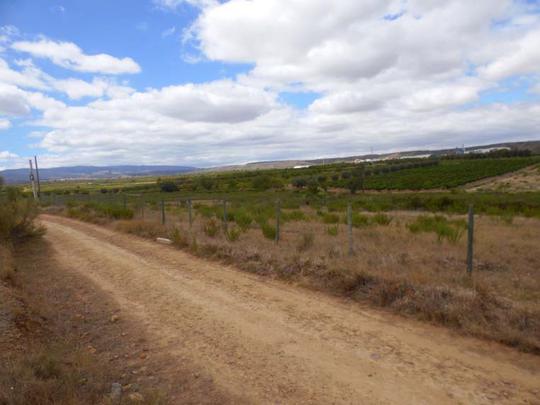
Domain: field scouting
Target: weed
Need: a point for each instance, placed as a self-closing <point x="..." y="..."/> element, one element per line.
<point x="444" y="228"/>
<point x="330" y="218"/>
<point x="308" y="238"/>
<point x="382" y="219"/>
<point x="211" y="228"/>
<point x="268" y="231"/>
<point x="332" y="230"/>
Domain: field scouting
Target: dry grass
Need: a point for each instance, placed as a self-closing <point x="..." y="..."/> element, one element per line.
<point x="417" y="274"/>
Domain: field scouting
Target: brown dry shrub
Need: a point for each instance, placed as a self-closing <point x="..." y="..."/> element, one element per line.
<point x="145" y="229"/>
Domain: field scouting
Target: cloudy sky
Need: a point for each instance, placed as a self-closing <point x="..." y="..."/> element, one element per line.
<point x="208" y="82"/>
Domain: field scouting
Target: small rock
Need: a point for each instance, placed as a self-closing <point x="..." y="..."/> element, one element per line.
<point x="114" y="318"/>
<point x="116" y="391"/>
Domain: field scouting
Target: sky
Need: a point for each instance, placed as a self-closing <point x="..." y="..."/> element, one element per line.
<point x="213" y="82"/>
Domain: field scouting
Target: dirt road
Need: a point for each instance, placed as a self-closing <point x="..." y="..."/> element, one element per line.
<point x="263" y="341"/>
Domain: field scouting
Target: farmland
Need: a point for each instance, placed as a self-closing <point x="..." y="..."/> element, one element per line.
<point x="402" y="247"/>
<point x="330" y="230"/>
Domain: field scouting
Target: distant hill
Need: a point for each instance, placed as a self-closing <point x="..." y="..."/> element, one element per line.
<point x="15" y="176"/>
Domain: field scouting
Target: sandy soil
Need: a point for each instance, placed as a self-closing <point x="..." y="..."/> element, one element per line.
<point x="262" y="341"/>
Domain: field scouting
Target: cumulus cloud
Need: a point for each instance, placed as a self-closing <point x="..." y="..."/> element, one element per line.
<point x="70" y="56"/>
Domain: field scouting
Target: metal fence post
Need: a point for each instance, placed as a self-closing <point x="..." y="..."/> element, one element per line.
<point x="162" y="212"/>
<point x="470" y="240"/>
<point x="349" y="225"/>
<point x="190" y="213"/>
<point x="278" y="217"/>
<point x="225" y="216"/>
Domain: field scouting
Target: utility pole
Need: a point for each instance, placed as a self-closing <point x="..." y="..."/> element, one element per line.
<point x="32" y="180"/>
<point x="37" y="178"/>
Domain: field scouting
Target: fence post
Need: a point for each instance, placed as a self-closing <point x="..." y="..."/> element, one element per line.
<point x="162" y="212"/>
<point x="190" y="213"/>
<point x="470" y="240"/>
<point x="124" y="201"/>
<point x="278" y="217"/>
<point x="349" y="226"/>
<point x="225" y="216"/>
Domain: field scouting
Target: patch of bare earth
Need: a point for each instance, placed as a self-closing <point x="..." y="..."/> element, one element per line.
<point x="193" y="324"/>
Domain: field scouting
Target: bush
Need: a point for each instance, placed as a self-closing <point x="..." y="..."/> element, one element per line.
<point x="17" y="216"/>
<point x="178" y="238"/>
<point x="359" y="220"/>
<point x="295" y="215"/>
<point x="242" y="219"/>
<point x="444" y="228"/>
<point x="382" y="219"/>
<point x="211" y="228"/>
<point x="330" y="218"/>
<point x="168" y="187"/>
<point x="306" y="242"/>
<point x="233" y="234"/>
<point x="268" y="231"/>
<point x="332" y="230"/>
<point x="141" y="228"/>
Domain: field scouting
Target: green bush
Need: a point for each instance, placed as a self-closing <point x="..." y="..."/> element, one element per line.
<point x="443" y="227"/>
<point x="242" y="219"/>
<point x="330" y="218"/>
<point x="268" y="231"/>
<point x="233" y="234"/>
<point x="295" y="215"/>
<point x="359" y="220"/>
<point x="382" y="219"/>
<point x="332" y="230"/>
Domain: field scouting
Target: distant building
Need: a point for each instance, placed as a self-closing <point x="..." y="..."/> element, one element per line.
<point x="301" y="166"/>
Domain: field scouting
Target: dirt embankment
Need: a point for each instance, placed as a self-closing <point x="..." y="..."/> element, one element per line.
<point x="205" y="326"/>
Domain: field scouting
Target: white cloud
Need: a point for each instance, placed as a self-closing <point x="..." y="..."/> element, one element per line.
<point x="4" y="124"/>
<point x="521" y="56"/>
<point x="5" y="155"/>
<point x="168" y="32"/>
<point x="70" y="56"/>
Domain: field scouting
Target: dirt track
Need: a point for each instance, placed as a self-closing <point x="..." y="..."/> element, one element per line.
<point x="266" y="342"/>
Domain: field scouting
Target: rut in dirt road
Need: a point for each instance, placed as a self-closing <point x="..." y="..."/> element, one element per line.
<point x="267" y="342"/>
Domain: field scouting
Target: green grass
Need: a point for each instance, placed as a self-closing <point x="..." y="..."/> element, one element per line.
<point x="451" y="230"/>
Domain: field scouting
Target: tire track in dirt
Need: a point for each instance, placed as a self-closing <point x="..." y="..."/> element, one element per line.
<point x="268" y="342"/>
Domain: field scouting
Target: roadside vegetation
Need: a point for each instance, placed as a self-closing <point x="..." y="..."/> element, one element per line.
<point x="41" y="361"/>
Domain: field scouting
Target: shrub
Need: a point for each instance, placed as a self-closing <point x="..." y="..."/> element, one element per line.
<point x="359" y="220"/>
<point x="268" y="231"/>
<point x="168" y="187"/>
<point x="242" y="219"/>
<point x="211" y="228"/>
<point x="332" y="230"/>
<point x="444" y="228"/>
<point x="17" y="216"/>
<point x="233" y="234"/>
<point x="178" y="238"/>
<point x="382" y="219"/>
<point x="306" y="242"/>
<point x="330" y="218"/>
<point x="141" y="228"/>
<point x="295" y="215"/>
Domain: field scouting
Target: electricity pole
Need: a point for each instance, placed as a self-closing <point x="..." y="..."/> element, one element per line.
<point x="32" y="180"/>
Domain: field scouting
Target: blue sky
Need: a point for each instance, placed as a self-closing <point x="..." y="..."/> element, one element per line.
<point x="207" y="82"/>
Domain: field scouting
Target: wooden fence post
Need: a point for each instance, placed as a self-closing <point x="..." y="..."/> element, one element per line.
<point x="278" y="217"/>
<point x="470" y="240"/>
<point x="124" y="201"/>
<point x="349" y="226"/>
<point x="190" y="213"/>
<point x="162" y="212"/>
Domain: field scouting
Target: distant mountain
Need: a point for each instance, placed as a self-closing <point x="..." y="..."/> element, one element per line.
<point x="15" y="176"/>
